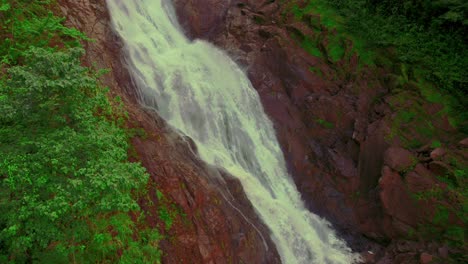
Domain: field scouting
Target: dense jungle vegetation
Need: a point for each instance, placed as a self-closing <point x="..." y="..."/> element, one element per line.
<point x="430" y="36"/>
<point x="423" y="42"/>
<point x="66" y="186"/>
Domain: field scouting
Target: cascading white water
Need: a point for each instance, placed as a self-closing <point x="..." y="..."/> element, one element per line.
<point x="201" y="92"/>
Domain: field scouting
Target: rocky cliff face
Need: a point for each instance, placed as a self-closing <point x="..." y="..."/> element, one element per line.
<point x="322" y="124"/>
<point x="336" y="124"/>
<point x="213" y="224"/>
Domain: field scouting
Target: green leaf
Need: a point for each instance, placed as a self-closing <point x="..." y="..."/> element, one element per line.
<point x="4" y="7"/>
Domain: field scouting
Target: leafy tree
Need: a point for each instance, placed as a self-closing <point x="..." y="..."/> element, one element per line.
<point x="66" y="186"/>
<point x="25" y="23"/>
<point x="62" y="166"/>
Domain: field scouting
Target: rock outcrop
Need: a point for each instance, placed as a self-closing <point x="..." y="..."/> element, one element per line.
<point x="216" y="223"/>
<point x="336" y="122"/>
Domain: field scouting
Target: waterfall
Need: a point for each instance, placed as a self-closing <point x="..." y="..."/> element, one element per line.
<point x="203" y="94"/>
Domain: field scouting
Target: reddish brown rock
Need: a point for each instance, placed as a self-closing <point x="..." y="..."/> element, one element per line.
<point x="397" y="203"/>
<point x="399" y="159"/>
<point x="420" y="180"/>
<point x="443" y="251"/>
<point x="212" y="230"/>
<point x="464" y="142"/>
<point x="438" y="153"/>
<point x="332" y="131"/>
<point x="209" y="16"/>
<point x="425" y="258"/>
<point x="371" y="156"/>
<point x="368" y="257"/>
<point x="314" y="117"/>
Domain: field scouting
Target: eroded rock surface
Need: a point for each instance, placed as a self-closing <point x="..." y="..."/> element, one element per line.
<point x="335" y="123"/>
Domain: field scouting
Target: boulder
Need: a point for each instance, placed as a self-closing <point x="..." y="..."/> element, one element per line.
<point x="368" y="257"/>
<point x="399" y="159"/>
<point x="464" y="143"/>
<point x="443" y="251"/>
<point x="438" y="153"/>
<point x="418" y="182"/>
<point x="396" y="201"/>
<point x="425" y="258"/>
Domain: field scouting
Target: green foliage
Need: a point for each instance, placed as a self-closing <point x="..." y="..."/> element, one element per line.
<point x="66" y="186"/>
<point x="406" y="116"/>
<point x="26" y="23"/>
<point x="436" y="144"/>
<point x="335" y="49"/>
<point x="324" y="123"/>
<point x="166" y="217"/>
<point x="311" y="47"/>
<point x="441" y="216"/>
<point x="422" y="44"/>
<point x="454" y="234"/>
<point x="425" y="39"/>
<point x="167" y="213"/>
<point x="4" y="7"/>
<point x="259" y="19"/>
<point x="62" y="164"/>
<point x="426" y="35"/>
<point x="428" y="13"/>
<point x="321" y="17"/>
<point x="316" y="70"/>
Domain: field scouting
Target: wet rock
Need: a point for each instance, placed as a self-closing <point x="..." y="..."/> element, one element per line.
<point x="399" y="159"/>
<point x="300" y="92"/>
<point x="368" y="257"/>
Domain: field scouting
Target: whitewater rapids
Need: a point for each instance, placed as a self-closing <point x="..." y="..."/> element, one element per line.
<point x="203" y="94"/>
